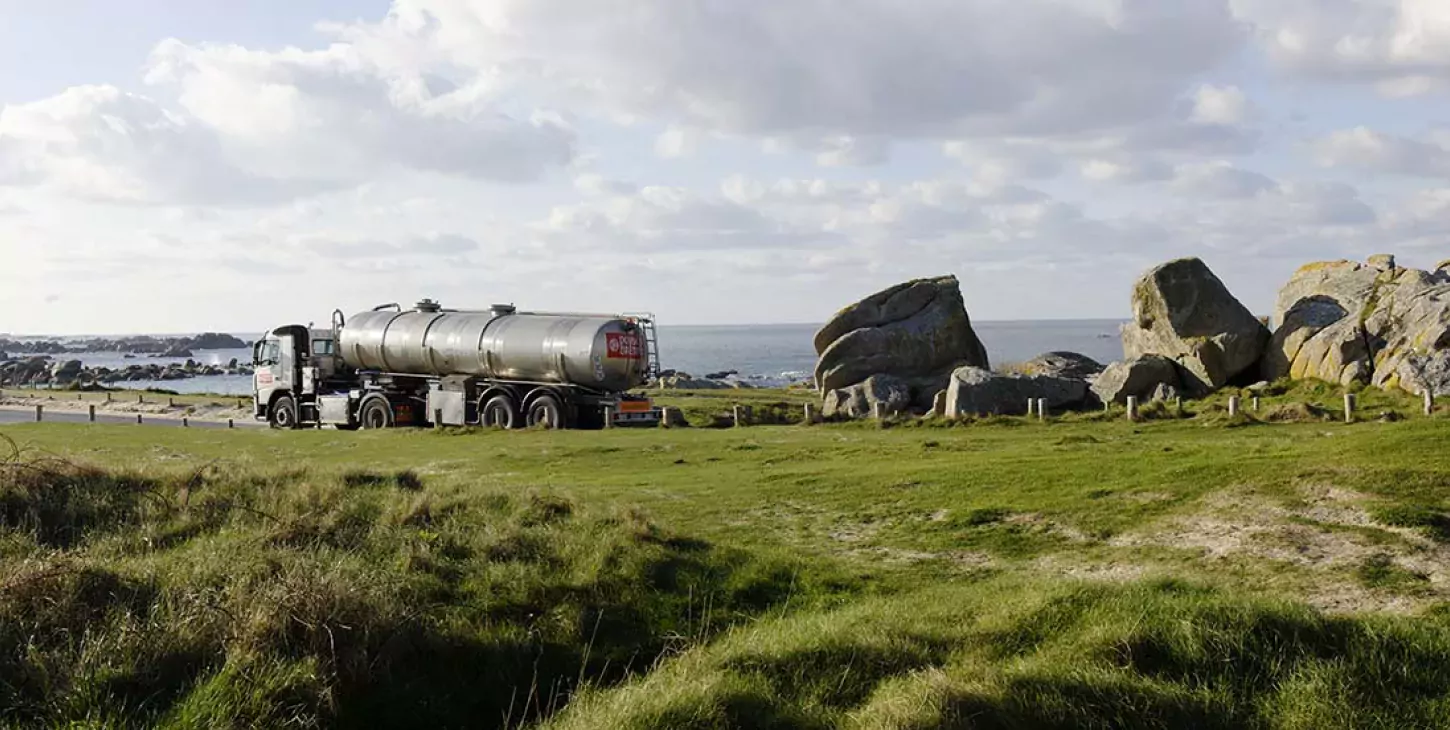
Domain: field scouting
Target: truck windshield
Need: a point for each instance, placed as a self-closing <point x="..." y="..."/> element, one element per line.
<point x="267" y="352"/>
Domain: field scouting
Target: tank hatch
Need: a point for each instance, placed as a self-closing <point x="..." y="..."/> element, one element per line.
<point x="427" y="305"/>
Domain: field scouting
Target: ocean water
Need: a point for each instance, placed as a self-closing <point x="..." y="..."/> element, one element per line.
<point x="763" y="355"/>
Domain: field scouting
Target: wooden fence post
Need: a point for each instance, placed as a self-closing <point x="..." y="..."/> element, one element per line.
<point x="1429" y="402"/>
<point x="38" y="411"/>
<point x="810" y="416"/>
<point x="1132" y="408"/>
<point x="1233" y="406"/>
<point x="229" y="423"/>
<point x="91" y="412"/>
<point x="1349" y="408"/>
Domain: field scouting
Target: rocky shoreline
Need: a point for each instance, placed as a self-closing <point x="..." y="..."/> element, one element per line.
<point x="42" y="370"/>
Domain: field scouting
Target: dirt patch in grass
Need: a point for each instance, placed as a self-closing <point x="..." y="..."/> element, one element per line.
<point x="1358" y="562"/>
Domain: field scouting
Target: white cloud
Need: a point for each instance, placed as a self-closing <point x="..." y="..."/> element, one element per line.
<point x="1220" y="105"/>
<point x="1220" y="180"/>
<point x="677" y="142"/>
<point x="1400" y="46"/>
<point x="1366" y="149"/>
<point x="944" y="68"/>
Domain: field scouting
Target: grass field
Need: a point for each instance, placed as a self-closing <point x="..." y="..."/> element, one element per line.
<point x="1277" y="569"/>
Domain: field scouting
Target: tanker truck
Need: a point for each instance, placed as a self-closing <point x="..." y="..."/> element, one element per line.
<point x="430" y="366"/>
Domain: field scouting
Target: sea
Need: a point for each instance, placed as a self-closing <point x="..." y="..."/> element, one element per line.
<point x="760" y="355"/>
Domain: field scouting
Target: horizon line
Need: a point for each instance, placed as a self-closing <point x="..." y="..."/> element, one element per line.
<point x="190" y="333"/>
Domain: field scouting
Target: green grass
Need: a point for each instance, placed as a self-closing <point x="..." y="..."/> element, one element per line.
<point x="1086" y="571"/>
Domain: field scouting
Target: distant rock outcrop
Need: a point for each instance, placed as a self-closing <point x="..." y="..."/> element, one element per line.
<point x="916" y="333"/>
<point x="1145" y="378"/>
<point x="1183" y="312"/>
<point x="975" y="391"/>
<point x="216" y="341"/>
<point x="1374" y="323"/>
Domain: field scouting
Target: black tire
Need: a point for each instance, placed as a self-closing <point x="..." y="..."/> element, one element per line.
<point x="545" y="411"/>
<point x="375" y="413"/>
<point x="499" y="411"/>
<point x="283" y="413"/>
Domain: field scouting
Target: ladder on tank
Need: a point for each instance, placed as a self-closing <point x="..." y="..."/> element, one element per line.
<point x="652" y="354"/>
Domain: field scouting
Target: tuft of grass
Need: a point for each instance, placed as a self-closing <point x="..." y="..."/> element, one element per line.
<point x="1432" y="521"/>
<point x="1380" y="571"/>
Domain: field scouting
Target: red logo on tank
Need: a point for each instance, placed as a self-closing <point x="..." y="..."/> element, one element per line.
<point x="622" y="346"/>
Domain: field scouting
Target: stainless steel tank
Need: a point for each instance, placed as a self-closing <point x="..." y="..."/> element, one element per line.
<point x="597" y="351"/>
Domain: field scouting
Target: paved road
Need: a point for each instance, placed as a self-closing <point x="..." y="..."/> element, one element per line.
<point x="15" y="415"/>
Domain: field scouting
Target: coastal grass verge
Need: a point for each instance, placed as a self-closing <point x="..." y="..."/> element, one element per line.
<point x="1079" y="572"/>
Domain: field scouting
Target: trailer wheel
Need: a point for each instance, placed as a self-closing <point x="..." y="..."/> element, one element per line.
<point x="283" y="413"/>
<point x="499" y="411"/>
<point x="375" y="413"/>
<point x="546" y="411"/>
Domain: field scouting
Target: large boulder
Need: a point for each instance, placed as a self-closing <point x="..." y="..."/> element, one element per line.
<point x="859" y="400"/>
<point x="916" y="332"/>
<point x="1144" y="378"/>
<point x="1373" y="323"/>
<point x="1183" y="312"/>
<point x="976" y="391"/>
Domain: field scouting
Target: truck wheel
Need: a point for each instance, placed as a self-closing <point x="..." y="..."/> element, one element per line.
<point x="498" y="411"/>
<point x="375" y="413"/>
<point x="284" y="413"/>
<point x="546" y="411"/>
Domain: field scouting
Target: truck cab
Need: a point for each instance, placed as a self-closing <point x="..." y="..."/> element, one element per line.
<point x="293" y="364"/>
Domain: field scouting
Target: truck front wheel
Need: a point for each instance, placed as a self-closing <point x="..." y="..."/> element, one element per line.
<point x="375" y="413"/>
<point x="283" y="414"/>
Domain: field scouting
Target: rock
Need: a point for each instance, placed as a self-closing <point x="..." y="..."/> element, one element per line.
<point x="859" y="400"/>
<point x="1374" y="323"/>
<point x="1165" y="392"/>
<point x="1183" y="312"/>
<point x="1062" y="365"/>
<point x="66" y="372"/>
<point x="723" y="374"/>
<point x="917" y="332"/>
<point x="977" y="391"/>
<point x="939" y="404"/>
<point x="176" y="351"/>
<point x="1383" y="262"/>
<point x="1140" y="378"/>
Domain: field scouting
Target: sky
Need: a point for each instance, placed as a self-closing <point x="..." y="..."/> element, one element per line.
<point x="184" y="165"/>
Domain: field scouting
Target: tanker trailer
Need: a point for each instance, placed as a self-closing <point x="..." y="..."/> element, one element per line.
<point x="431" y="366"/>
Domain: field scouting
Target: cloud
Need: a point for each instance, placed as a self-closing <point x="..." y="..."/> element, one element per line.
<point x="101" y="143"/>
<point x="258" y="127"/>
<point x="1220" y="180"/>
<point x="1220" y="105"/>
<point x="1366" y="149"/>
<point x="1401" y="47"/>
<point x="942" y="69"/>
